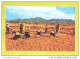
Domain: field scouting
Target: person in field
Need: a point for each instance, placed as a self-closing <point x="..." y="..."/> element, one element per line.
<point x="46" y="29"/>
<point x="73" y="31"/>
<point x="39" y="33"/>
<point x="21" y="28"/>
<point x="7" y="28"/>
<point x="52" y="34"/>
<point x="17" y="35"/>
<point x="27" y="35"/>
<point x="57" y="28"/>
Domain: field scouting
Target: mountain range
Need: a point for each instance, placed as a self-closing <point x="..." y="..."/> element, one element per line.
<point x="40" y="20"/>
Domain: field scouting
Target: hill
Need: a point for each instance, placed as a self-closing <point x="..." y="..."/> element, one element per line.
<point x="40" y="20"/>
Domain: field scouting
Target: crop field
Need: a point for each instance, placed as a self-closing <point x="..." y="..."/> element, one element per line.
<point x="64" y="40"/>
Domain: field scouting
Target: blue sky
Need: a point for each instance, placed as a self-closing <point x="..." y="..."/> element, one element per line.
<point x="14" y="12"/>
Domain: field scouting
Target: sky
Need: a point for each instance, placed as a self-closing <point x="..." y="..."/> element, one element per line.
<point x="46" y="12"/>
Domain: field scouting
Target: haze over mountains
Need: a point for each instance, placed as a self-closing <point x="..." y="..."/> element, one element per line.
<point x="40" y="20"/>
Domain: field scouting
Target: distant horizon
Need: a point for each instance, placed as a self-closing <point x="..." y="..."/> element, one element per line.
<point x="36" y="17"/>
<point x="45" y="12"/>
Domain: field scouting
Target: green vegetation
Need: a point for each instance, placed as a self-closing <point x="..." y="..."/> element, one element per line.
<point x="39" y="20"/>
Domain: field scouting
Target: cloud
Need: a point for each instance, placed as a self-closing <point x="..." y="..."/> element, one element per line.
<point x="39" y="11"/>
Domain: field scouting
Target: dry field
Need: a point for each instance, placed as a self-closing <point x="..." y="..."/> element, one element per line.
<point x="63" y="41"/>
